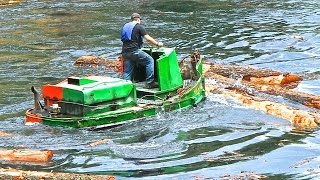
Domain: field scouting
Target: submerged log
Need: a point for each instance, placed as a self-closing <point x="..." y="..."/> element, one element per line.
<point x="21" y="175"/>
<point x="26" y="155"/>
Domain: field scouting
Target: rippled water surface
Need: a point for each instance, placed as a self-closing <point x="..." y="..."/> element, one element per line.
<point x="40" y="40"/>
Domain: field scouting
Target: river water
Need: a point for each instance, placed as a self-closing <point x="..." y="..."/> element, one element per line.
<point x="40" y="40"/>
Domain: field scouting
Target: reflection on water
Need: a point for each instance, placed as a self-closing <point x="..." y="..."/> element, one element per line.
<point x="40" y="40"/>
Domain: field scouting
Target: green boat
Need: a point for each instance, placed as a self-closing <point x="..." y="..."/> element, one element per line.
<point x="101" y="101"/>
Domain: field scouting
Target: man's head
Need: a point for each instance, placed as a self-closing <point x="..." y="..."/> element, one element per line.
<point x="135" y="17"/>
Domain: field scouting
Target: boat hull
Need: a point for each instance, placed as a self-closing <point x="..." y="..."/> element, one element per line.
<point x="191" y="97"/>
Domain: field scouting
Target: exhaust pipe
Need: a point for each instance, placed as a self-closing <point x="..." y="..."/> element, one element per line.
<point x="36" y="97"/>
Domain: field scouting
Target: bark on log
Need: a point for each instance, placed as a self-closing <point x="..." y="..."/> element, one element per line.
<point x="40" y="175"/>
<point x="26" y="155"/>
<point x="296" y="116"/>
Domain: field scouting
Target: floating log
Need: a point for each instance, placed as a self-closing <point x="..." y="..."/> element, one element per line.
<point x="306" y="99"/>
<point x="257" y="76"/>
<point x="26" y="155"/>
<point x="241" y="71"/>
<point x="276" y="80"/>
<point x="95" y="61"/>
<point x="5" y="134"/>
<point x="295" y="116"/>
<point x="21" y="175"/>
<point x="99" y="142"/>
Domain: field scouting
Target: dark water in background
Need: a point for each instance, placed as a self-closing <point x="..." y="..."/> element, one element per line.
<point x="40" y="40"/>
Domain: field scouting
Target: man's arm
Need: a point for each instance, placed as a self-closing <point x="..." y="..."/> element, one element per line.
<point x="152" y="41"/>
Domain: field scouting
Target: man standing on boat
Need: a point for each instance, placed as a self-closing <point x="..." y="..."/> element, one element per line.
<point x="132" y="35"/>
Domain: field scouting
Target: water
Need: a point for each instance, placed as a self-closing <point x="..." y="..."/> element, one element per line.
<point x="40" y="40"/>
